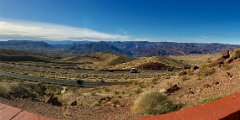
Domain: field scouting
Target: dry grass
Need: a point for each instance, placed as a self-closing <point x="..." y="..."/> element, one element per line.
<point x="197" y="59"/>
<point x="4" y="89"/>
<point x="98" y="60"/>
<point x="235" y="53"/>
<point x="206" y="71"/>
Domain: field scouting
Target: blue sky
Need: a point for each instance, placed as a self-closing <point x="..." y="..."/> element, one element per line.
<point x="153" y="20"/>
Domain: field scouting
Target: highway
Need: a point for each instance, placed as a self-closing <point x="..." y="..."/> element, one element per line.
<point x="76" y="83"/>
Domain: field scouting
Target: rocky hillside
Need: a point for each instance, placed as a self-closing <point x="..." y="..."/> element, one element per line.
<point x="154" y="63"/>
<point x="171" y="48"/>
<point x="144" y="48"/>
<point x="227" y="58"/>
<point x="96" y="47"/>
<point x="10" y="55"/>
<point x="98" y="60"/>
<point x="29" y="46"/>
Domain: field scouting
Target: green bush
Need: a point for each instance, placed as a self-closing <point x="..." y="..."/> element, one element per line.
<point x="152" y="102"/>
<point x="207" y="100"/>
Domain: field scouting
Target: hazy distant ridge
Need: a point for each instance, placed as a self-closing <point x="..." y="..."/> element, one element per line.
<point x="131" y="48"/>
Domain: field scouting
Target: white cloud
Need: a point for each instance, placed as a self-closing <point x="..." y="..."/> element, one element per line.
<point x="36" y="30"/>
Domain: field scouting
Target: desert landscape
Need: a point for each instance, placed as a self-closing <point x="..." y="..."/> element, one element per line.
<point x="107" y="85"/>
<point x="119" y="59"/>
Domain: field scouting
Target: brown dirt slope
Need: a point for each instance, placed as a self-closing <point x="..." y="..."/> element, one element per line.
<point x="151" y="61"/>
<point x="98" y="60"/>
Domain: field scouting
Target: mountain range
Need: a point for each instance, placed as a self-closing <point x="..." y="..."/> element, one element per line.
<point x="130" y="48"/>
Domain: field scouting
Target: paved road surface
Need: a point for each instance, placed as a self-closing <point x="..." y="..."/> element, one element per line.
<point x="79" y="83"/>
<point x="28" y="67"/>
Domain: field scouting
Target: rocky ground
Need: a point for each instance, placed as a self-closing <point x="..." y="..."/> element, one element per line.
<point x="213" y="80"/>
<point x="73" y="112"/>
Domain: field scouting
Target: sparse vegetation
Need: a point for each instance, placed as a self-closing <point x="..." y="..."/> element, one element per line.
<point x="206" y="71"/>
<point x="101" y="61"/>
<point x="12" y="88"/>
<point x="33" y="91"/>
<point x="25" y="91"/>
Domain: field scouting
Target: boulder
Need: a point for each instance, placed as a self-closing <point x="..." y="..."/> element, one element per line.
<point x="172" y="89"/>
<point x="194" y="68"/>
<point x="134" y="70"/>
<point x="226" y="54"/>
<point x="162" y="91"/>
<point x="54" y="100"/>
<point x="226" y="58"/>
<point x="63" y="100"/>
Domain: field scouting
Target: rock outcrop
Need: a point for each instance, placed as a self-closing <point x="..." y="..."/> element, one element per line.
<point x="227" y="58"/>
<point x="63" y="100"/>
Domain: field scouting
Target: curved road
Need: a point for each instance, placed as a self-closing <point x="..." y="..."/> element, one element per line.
<point x="83" y="71"/>
<point x="76" y="83"/>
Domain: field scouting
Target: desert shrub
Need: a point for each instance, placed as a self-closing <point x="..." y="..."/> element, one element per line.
<point x="152" y="103"/>
<point x="21" y="92"/>
<point x="4" y="90"/>
<point x="27" y="91"/>
<point x="206" y="71"/>
<point x="185" y="78"/>
<point x="182" y="73"/>
<point x="51" y="89"/>
<point x="209" y="60"/>
<point x="33" y="91"/>
<point x="212" y="64"/>
<point x="235" y="53"/>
